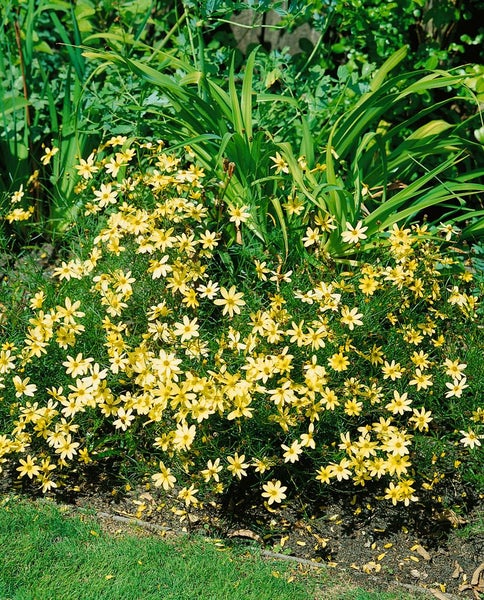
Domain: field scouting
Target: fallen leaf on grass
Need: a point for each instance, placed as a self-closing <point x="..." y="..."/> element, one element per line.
<point x="147" y="496"/>
<point x="478" y="576"/>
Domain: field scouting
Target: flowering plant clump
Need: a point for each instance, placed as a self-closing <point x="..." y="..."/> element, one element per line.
<point x="144" y="347"/>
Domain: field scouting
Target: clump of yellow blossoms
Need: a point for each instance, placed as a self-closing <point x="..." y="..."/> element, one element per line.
<point x="144" y="347"/>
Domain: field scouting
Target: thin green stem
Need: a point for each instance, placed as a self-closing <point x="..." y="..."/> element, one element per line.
<point x="172" y="31"/>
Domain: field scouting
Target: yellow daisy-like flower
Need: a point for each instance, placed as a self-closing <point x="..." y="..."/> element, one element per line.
<point x="274" y="492"/>
<point x="86" y="168"/>
<point x="164" y="477"/>
<point x="353" y="235"/>
<point x="280" y="165"/>
<point x="238" y="214"/>
<point x="471" y="439"/>
<point x="49" y="153"/>
<point x="351" y="317"/>
<point x="231" y="301"/>
<point x="421" y="380"/>
<point x="237" y="465"/>
<point x="338" y="362"/>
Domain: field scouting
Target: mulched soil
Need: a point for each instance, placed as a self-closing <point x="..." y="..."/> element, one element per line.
<point x="420" y="548"/>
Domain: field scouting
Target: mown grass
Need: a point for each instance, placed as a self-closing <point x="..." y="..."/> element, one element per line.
<point x="48" y="554"/>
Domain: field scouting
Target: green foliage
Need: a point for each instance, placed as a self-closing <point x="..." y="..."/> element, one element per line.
<point x="354" y="34"/>
<point x="385" y="160"/>
<point x="43" y="99"/>
<point x="40" y="105"/>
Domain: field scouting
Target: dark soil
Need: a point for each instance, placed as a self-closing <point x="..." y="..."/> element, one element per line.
<point x="420" y="548"/>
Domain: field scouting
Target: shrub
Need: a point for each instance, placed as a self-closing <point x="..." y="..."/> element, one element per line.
<point x="166" y="344"/>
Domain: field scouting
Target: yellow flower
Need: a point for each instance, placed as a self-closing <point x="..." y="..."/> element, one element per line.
<point x="294" y="205"/>
<point x="280" y="165"/>
<point x="237" y="465"/>
<point x="124" y="420"/>
<point x="19" y="214"/>
<point x="114" y="164"/>
<point x="324" y="474"/>
<point x="49" y="153"/>
<point x="164" y="477"/>
<point x="212" y="471"/>
<point x="184" y="436"/>
<point x="329" y="398"/>
<point x="67" y="448"/>
<point x="18" y="195"/>
<point x="292" y="452"/>
<point x="238" y="214"/>
<point x="86" y="168"/>
<point x="231" y="301"/>
<point x="186" y="330"/>
<point x="274" y="492"/>
<point x="77" y="366"/>
<point x="420" y="359"/>
<point x="454" y="368"/>
<point x="106" y="195"/>
<point x="307" y="439"/>
<point x="28" y="467"/>
<point x="353" y="408"/>
<point x="421" y="380"/>
<point x="421" y="419"/>
<point x="7" y="361"/>
<point x="368" y="285"/>
<point x="261" y="465"/>
<point x="38" y="300"/>
<point x="397" y="464"/>
<point x="84" y="456"/>
<point x="339" y="362"/>
<point x="397" y="444"/>
<point x="68" y="311"/>
<point x="406" y="491"/>
<point x="340" y="470"/>
<point x="392" y="370"/>
<point x="351" y="317"/>
<point x="353" y="235"/>
<point x="312" y="237"/>
<point x="375" y="355"/>
<point x="377" y="467"/>
<point x="456" y="388"/>
<point x="325" y="221"/>
<point x="470" y="439"/>
<point x="392" y="493"/>
<point x="23" y="387"/>
<point x="188" y="495"/>
<point x="399" y="404"/>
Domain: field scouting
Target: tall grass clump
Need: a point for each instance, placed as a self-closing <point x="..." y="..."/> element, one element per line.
<point x="173" y="344"/>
